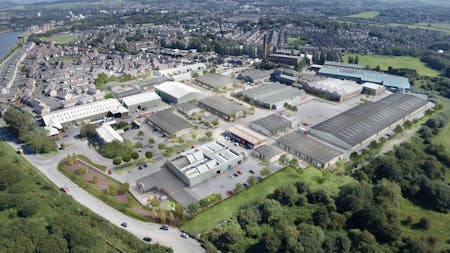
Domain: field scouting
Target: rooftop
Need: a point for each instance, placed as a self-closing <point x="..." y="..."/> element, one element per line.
<point x="176" y="89"/>
<point x="168" y="121"/>
<point x="271" y="93"/>
<point x="215" y="80"/>
<point x="310" y="147"/>
<point x="247" y="134"/>
<point x="108" y="134"/>
<point x="273" y="122"/>
<point x="255" y="74"/>
<point x="340" y="87"/>
<point x="346" y="65"/>
<point x="222" y="104"/>
<point x="140" y="98"/>
<point x="268" y="151"/>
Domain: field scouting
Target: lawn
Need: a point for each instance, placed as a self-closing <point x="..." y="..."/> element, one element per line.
<point x="396" y="62"/>
<point x="440" y="223"/>
<point x="366" y="15"/>
<point x="443" y="137"/>
<point x="316" y="178"/>
<point x="442" y="27"/>
<point x="59" y="39"/>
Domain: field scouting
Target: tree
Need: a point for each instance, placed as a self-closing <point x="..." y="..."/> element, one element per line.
<point x="151" y="141"/>
<point x="208" y="134"/>
<point x="111" y="190"/>
<point x="194" y="136"/>
<point x="171" y="218"/>
<point x="293" y="163"/>
<point x="126" y="158"/>
<point x="140" y="133"/>
<point x="354" y="197"/>
<point x="125" y="187"/>
<point x="398" y="129"/>
<point x="179" y="209"/>
<point x="193" y="208"/>
<point x="180" y="140"/>
<point x="148" y="154"/>
<point x="301" y="187"/>
<point x="94" y="179"/>
<point x="134" y="155"/>
<point x="283" y="160"/>
<point x="117" y="160"/>
<point x="424" y="223"/>
<point x="138" y="145"/>
<point x="162" y="216"/>
<point x="357" y="59"/>
<point x="251" y="180"/>
<point x="28" y="208"/>
<point x="265" y="172"/>
<point x="285" y="194"/>
<point x="238" y="187"/>
<point x="215" y="123"/>
<point x="155" y="203"/>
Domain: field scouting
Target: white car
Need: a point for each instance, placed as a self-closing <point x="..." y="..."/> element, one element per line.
<point x="184" y="235"/>
<point x="130" y="171"/>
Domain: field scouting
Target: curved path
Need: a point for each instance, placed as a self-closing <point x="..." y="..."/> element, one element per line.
<point x="48" y="166"/>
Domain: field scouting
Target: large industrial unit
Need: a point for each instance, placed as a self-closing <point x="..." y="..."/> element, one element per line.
<point x="356" y="126"/>
<point x="271" y="125"/>
<point x="215" y="81"/>
<point x="169" y="123"/>
<point x="268" y="153"/>
<point x="291" y="60"/>
<point x="106" y="134"/>
<point x="177" y="93"/>
<point x="255" y="76"/>
<point x="333" y="89"/>
<point x="85" y="113"/>
<point x="223" y="107"/>
<point x="359" y="74"/>
<point x="272" y="95"/>
<point x="245" y="136"/>
<point x="190" y="68"/>
<point x="204" y="162"/>
<point x="142" y="101"/>
<point x="310" y="150"/>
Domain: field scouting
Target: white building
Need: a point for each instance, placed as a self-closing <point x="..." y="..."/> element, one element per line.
<point x="142" y="101"/>
<point x="177" y="93"/>
<point x="334" y="89"/>
<point x="106" y="134"/>
<point x="191" y="68"/>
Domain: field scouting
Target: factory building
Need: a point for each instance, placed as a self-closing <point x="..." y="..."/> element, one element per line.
<point x="215" y="81"/>
<point x="204" y="162"/>
<point x="271" y="125"/>
<point x="268" y="152"/>
<point x="359" y="74"/>
<point x="291" y="60"/>
<point x="272" y="95"/>
<point x="142" y="101"/>
<point x="106" y="134"/>
<point x="189" y="108"/>
<point x="372" y="89"/>
<point x="309" y="150"/>
<point x="255" y="76"/>
<point x="222" y="107"/>
<point x="183" y="69"/>
<point x="333" y="89"/>
<point x="177" y="93"/>
<point x="364" y="122"/>
<point x="85" y="113"/>
<point x="245" y="136"/>
<point x="169" y="123"/>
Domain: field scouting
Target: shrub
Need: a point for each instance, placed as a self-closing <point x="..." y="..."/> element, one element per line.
<point x="126" y="158"/>
<point x="117" y="160"/>
<point x="94" y="179"/>
<point x="134" y="155"/>
<point x="148" y="155"/>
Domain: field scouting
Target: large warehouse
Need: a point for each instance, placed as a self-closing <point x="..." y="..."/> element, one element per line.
<point x="222" y="107"/>
<point x="334" y="89"/>
<point x="84" y="113"/>
<point x="255" y="75"/>
<point x="177" y="93"/>
<point x="204" y="162"/>
<point x="354" y="127"/>
<point x="271" y="125"/>
<point x="169" y="123"/>
<point x="142" y="101"/>
<point x="272" y="95"/>
<point x="358" y="73"/>
<point x="245" y="136"/>
<point x="310" y="150"/>
<point x="215" y="81"/>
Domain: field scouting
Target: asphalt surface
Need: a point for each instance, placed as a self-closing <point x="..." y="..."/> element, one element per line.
<point x="140" y="229"/>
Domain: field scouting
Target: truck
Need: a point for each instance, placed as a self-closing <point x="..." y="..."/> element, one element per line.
<point x="304" y="130"/>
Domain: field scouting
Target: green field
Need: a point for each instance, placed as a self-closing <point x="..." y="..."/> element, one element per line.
<point x="59" y="39"/>
<point x="443" y="137"/>
<point x="442" y="27"/>
<point x="396" y="62"/>
<point x="366" y="15"/>
<point x="206" y="220"/>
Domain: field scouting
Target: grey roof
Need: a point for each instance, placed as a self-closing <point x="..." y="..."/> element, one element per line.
<point x="309" y="147"/>
<point x="271" y="93"/>
<point x="341" y="64"/>
<point x="255" y="74"/>
<point x="215" y="80"/>
<point x="361" y="122"/>
<point x="268" y="151"/>
<point x="126" y="92"/>
<point x="222" y="105"/>
<point x="273" y="122"/>
<point x="185" y="107"/>
<point x="168" y="121"/>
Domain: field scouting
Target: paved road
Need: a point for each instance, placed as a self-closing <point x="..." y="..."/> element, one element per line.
<point x="170" y="238"/>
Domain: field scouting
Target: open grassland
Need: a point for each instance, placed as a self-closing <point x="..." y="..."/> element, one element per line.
<point x="366" y="15"/>
<point x="442" y="27"/>
<point x="208" y="219"/>
<point x="443" y="137"/>
<point x="394" y="61"/>
<point x="59" y="39"/>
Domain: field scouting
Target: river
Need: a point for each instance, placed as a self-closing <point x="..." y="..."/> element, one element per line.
<point x="7" y="41"/>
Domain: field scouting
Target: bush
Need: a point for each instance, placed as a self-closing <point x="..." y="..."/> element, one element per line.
<point x="148" y="155"/>
<point x="111" y="190"/>
<point x="82" y="170"/>
<point x="134" y="155"/>
<point x="94" y="180"/>
<point x="117" y="160"/>
<point x="424" y="223"/>
<point x="126" y="158"/>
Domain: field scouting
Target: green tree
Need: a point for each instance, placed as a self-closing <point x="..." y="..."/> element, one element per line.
<point x="138" y="145"/>
<point x="171" y="218"/>
<point x="94" y="179"/>
<point x="140" y="133"/>
<point x="126" y="158"/>
<point x="148" y="154"/>
<point x="265" y="172"/>
<point x="134" y="155"/>
<point x="162" y="216"/>
<point x="117" y="160"/>
<point x="111" y="190"/>
<point x="238" y="187"/>
<point x="155" y="203"/>
<point x="208" y="134"/>
<point x="251" y="180"/>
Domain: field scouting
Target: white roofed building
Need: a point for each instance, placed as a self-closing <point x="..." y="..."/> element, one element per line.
<point x="142" y="101"/>
<point x="106" y="134"/>
<point x="334" y="89"/>
<point x="177" y="93"/>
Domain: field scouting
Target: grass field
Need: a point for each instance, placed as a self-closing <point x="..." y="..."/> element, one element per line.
<point x="59" y="39"/>
<point x="443" y="137"/>
<point x="396" y="62"/>
<point x="366" y="14"/>
<point x="209" y="218"/>
<point x="439" y="228"/>
<point x="442" y="27"/>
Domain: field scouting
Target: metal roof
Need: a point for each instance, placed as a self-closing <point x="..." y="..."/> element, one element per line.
<point x="247" y="134"/>
<point x="215" y="80"/>
<point x="221" y="104"/>
<point x="340" y="87"/>
<point x="271" y="93"/>
<point x="176" y="89"/>
<point x="168" y="121"/>
<point x="108" y="134"/>
<point x="255" y="74"/>
<point x="273" y="122"/>
<point x="341" y="64"/>
<point x="363" y="121"/>
<point x="268" y="151"/>
<point x="309" y="147"/>
<point x="140" y="98"/>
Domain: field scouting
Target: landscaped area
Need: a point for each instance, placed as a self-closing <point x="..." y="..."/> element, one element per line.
<point x="316" y="178"/>
<point x="394" y="61"/>
<point x="366" y="14"/>
<point x="59" y="39"/>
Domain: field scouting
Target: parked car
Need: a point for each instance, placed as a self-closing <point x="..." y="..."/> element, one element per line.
<point x="246" y="185"/>
<point x="230" y="193"/>
<point x="259" y="178"/>
<point x="184" y="235"/>
<point x="251" y="171"/>
<point x="236" y="175"/>
<point x="147" y="239"/>
<point x="124" y="224"/>
<point x="145" y="165"/>
<point x="239" y="172"/>
<point x="130" y="171"/>
<point x="164" y="227"/>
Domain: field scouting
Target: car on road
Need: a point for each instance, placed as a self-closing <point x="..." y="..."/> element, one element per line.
<point x="124" y="224"/>
<point x="147" y="239"/>
<point x="130" y="171"/>
<point x="164" y="227"/>
<point x="239" y="172"/>
<point x="184" y="235"/>
<point x="140" y="168"/>
<point x="236" y="175"/>
<point x="230" y="193"/>
<point x="251" y="171"/>
<point x="145" y="165"/>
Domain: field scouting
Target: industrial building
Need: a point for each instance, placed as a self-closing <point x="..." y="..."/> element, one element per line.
<point x="177" y="93"/>
<point x="204" y="162"/>
<point x="169" y="123"/>
<point x="372" y="89"/>
<point x="359" y="74"/>
<point x="356" y="126"/>
<point x="268" y="153"/>
<point x="225" y="108"/>
<point x="333" y="89"/>
<point x="190" y="68"/>
<point x="106" y="134"/>
<point x="291" y="60"/>
<point x="83" y="114"/>
<point x="245" y="136"/>
<point x="309" y="150"/>
<point x="271" y="125"/>
<point x="142" y="101"/>
<point x="255" y="75"/>
<point x="215" y="81"/>
<point x="189" y="108"/>
<point x="272" y="95"/>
